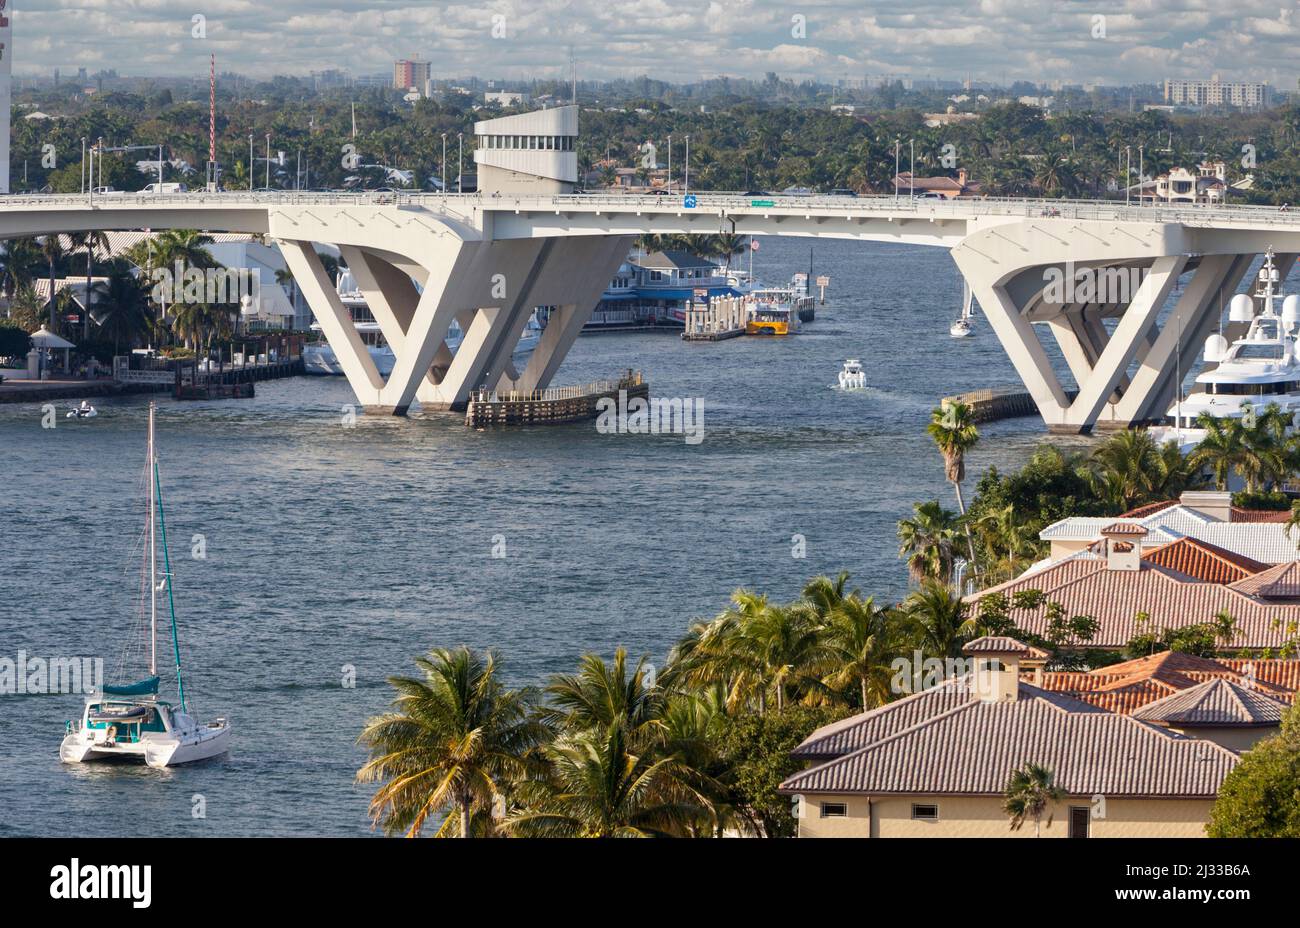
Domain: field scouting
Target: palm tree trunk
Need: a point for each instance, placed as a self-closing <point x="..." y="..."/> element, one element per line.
<point x="863" y="683"/>
<point x="85" y="320"/>
<point x="970" y="542"/>
<point x="464" y="816"/>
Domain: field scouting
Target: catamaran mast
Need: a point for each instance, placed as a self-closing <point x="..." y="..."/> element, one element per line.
<point x="153" y="558"/>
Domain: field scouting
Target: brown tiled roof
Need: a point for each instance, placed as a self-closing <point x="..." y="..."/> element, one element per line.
<point x="1133" y="684"/>
<point x="1002" y="644"/>
<point x="1203" y="561"/>
<point x="1124" y="528"/>
<point x="1279" y="582"/>
<point x="1260" y="515"/>
<point x="1150" y="509"/>
<point x="1216" y="702"/>
<point x="849" y="734"/>
<point x="1114" y="598"/>
<point x="972" y="749"/>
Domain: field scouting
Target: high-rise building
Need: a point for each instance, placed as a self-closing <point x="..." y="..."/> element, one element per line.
<point x="409" y="74"/>
<point x="6" y="72"/>
<point x="1244" y="95"/>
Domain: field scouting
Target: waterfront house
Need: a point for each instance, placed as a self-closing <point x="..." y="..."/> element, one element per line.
<point x="947" y="187"/>
<point x="936" y="763"/>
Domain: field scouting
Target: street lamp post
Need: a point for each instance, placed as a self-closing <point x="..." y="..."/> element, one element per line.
<point x="268" y="161"/>
<point x="1128" y="175"/>
<point x="670" y="163"/>
<point x="460" y="162"/>
<point x="444" y="167"/>
<point x="897" y="145"/>
<point x="686" y="178"/>
<point x="250" y="162"/>
<point x="1141" y="166"/>
<point x="83" y="164"/>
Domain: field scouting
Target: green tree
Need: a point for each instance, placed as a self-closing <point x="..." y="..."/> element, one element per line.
<point x="458" y="738"/>
<point x="1029" y="794"/>
<point x="1260" y="797"/>
<point x="953" y="429"/>
<point x="927" y="541"/>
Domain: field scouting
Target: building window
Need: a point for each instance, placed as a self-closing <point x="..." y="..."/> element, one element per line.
<point x="925" y="813"/>
<point x="834" y="810"/>
<point x="1080" y="816"/>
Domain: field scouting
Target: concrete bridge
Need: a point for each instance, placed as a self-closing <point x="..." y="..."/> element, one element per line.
<point x="486" y="260"/>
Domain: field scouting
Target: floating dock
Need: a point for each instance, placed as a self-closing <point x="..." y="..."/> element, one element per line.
<point x="550" y="407"/>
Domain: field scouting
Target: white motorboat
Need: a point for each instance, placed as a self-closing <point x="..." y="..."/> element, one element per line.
<point x="963" y="326"/>
<point x="1244" y="377"/>
<point x="84" y="411"/>
<point x="853" y="377"/>
<point x="130" y="720"/>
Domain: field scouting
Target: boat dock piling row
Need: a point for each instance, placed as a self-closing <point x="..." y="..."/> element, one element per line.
<point x="552" y="406"/>
<point x="720" y="318"/>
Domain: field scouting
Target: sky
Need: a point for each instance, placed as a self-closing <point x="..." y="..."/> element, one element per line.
<point x="1074" y="41"/>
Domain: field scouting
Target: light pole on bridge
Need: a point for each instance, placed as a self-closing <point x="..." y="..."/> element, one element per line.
<point x="460" y="162"/>
<point x="444" y="170"/>
<point x="250" y="162"/>
<point x="686" y="181"/>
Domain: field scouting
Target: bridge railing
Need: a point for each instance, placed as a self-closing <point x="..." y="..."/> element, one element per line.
<point x="464" y="204"/>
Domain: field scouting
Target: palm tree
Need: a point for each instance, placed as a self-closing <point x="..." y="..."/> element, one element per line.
<point x="123" y="310"/>
<point x="600" y="787"/>
<point x="601" y="694"/>
<point x="940" y="616"/>
<point x="457" y="740"/>
<point x="928" y="540"/>
<point x="1028" y="794"/>
<point x="863" y="640"/>
<point x="1225" y="627"/>
<point x="1223" y="449"/>
<point x="953" y="429"/>
<point x="53" y="252"/>
<point x="1125" y="469"/>
<point x="20" y="258"/>
<point x="1007" y="542"/>
<point x="26" y="307"/>
<point x="90" y="240"/>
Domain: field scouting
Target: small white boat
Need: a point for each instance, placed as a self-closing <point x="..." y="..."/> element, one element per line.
<point x="962" y="326"/>
<point x="130" y="721"/>
<point x="84" y="411"/>
<point x="853" y="377"/>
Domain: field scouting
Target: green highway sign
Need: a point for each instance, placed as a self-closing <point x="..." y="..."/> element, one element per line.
<point x="762" y="203"/>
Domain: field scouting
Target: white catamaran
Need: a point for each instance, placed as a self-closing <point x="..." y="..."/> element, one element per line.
<point x="130" y="720"/>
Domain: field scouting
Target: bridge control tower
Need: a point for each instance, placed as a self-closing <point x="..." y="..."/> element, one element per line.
<point x="529" y="153"/>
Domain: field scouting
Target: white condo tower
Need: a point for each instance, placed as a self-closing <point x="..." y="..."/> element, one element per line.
<point x="6" y="72"/>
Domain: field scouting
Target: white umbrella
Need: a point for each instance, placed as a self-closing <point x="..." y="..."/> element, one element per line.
<point x="44" y="338"/>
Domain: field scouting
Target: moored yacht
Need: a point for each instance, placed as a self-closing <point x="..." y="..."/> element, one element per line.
<point x="129" y="720"/>
<point x="1246" y="376"/>
<point x="777" y="310"/>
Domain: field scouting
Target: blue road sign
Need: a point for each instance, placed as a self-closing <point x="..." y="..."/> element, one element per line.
<point x="688" y="201"/>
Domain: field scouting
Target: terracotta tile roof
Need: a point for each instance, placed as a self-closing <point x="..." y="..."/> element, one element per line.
<point x="1115" y="597"/>
<point x="1128" y="686"/>
<point x="839" y="738"/>
<point x="972" y="749"/>
<point x="1150" y="509"/>
<point x="1260" y="515"/>
<point x="1002" y="644"/>
<point x="1279" y="582"/>
<point x="1203" y="561"/>
<point x="1124" y="528"/>
<point x="1218" y="702"/>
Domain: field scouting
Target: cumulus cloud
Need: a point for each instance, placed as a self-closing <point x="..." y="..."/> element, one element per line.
<point x="1144" y="40"/>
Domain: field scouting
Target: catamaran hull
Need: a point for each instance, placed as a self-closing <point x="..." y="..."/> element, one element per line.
<point x="154" y="751"/>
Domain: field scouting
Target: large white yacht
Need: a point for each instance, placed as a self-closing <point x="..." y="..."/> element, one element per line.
<point x="319" y="358"/>
<point x="1246" y="376"/>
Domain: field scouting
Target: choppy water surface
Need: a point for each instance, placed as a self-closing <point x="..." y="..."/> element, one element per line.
<point x="329" y="546"/>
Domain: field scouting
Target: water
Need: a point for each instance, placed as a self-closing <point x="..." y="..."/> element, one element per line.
<point x="330" y="547"/>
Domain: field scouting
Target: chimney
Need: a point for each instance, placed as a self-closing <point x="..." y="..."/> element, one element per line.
<point x="961" y="177"/>
<point x="1213" y="504"/>
<point x="995" y="673"/>
<point x="1123" y="543"/>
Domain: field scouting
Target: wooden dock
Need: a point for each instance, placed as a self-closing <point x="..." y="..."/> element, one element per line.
<point x="717" y="320"/>
<point x="550" y="407"/>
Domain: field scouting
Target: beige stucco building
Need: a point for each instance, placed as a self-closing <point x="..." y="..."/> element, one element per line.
<point x="936" y="763"/>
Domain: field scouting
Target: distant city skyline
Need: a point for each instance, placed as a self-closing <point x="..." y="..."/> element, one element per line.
<point x="1068" y="41"/>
